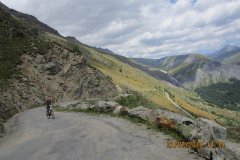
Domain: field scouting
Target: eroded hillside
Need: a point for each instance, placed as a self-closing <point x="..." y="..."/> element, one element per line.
<point x="33" y="68"/>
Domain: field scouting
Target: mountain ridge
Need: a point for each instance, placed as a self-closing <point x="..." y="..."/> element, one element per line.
<point x="156" y="73"/>
<point x="194" y="70"/>
<point x="31" y="19"/>
<point x="229" y="55"/>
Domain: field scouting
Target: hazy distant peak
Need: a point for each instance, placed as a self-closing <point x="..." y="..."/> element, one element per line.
<point x="230" y="48"/>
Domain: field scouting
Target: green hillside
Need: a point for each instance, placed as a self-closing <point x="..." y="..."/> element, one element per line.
<point x="224" y="95"/>
<point x="235" y="59"/>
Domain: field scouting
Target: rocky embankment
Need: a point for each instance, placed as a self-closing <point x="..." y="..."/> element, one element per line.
<point x="60" y="74"/>
<point x="197" y="130"/>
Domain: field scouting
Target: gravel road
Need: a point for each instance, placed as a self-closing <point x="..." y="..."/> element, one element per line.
<point x="78" y="136"/>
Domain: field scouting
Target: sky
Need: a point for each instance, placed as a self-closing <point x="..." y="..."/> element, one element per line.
<point x="142" y="28"/>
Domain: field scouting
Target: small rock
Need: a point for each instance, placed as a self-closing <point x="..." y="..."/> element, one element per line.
<point x="25" y="79"/>
<point x="106" y="106"/>
<point x="82" y="106"/>
<point x="140" y="112"/>
<point x="167" y="122"/>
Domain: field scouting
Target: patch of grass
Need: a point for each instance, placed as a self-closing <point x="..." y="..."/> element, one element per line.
<point x="109" y="78"/>
<point x="135" y="100"/>
<point x="7" y="111"/>
<point x="233" y="134"/>
<point x="196" y="111"/>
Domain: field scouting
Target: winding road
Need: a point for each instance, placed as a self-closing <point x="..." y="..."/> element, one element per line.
<point x="78" y="136"/>
<point x="175" y="104"/>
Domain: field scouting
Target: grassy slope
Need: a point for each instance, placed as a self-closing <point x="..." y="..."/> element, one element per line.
<point x="185" y="65"/>
<point x="225" y="95"/>
<point x="232" y="59"/>
<point x="130" y="78"/>
<point x="126" y="76"/>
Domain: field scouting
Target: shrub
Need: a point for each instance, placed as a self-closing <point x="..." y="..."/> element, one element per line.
<point x="135" y="100"/>
<point x="77" y="50"/>
<point x="109" y="78"/>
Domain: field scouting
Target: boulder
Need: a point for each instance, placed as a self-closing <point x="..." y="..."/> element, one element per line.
<point x="207" y="130"/>
<point x="120" y="110"/>
<point x="106" y="106"/>
<point x="185" y="130"/>
<point x="166" y="122"/>
<point x="177" y="117"/>
<point x="174" y="121"/>
<point x="82" y="106"/>
<point x="234" y="148"/>
<point x="217" y="153"/>
<point x="140" y="112"/>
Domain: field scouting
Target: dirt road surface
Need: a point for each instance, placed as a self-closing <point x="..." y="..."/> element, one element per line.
<point x="78" y="136"/>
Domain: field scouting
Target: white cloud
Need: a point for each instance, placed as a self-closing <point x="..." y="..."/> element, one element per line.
<point x="141" y="28"/>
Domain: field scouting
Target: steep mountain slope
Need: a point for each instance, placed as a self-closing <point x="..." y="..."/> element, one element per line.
<point x="225" y="95"/>
<point x="31" y="20"/>
<point x="33" y="68"/>
<point x="228" y="54"/>
<point x="173" y="64"/>
<point x="130" y="78"/>
<point x="154" y="72"/>
<point x="194" y="70"/>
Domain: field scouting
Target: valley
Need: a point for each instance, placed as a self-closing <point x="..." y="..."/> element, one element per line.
<point x="38" y="62"/>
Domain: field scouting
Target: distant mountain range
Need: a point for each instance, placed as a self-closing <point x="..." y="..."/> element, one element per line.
<point x="191" y="70"/>
<point x="229" y="55"/>
<point x="196" y="70"/>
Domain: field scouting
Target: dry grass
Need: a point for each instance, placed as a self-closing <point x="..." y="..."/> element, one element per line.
<point x="194" y="109"/>
<point x="131" y="78"/>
